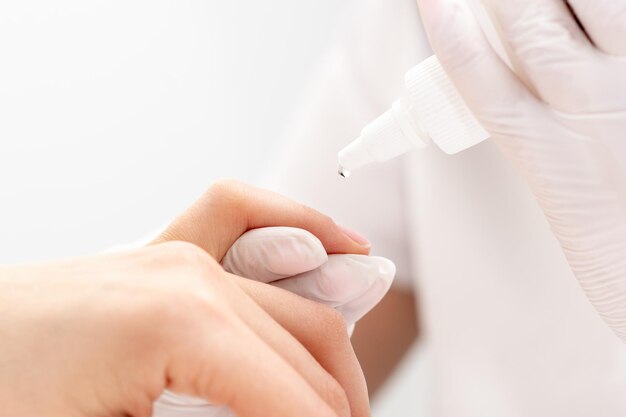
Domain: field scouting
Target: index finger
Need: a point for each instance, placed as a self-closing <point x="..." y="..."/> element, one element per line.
<point x="230" y="208"/>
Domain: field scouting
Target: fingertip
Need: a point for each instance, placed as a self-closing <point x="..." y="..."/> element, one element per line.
<point x="283" y="251"/>
<point x="386" y="269"/>
<point x="306" y="247"/>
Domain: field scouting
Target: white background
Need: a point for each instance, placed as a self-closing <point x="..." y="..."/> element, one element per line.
<point x="116" y="115"/>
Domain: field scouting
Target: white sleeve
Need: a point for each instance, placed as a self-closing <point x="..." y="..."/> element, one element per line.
<point x="361" y="77"/>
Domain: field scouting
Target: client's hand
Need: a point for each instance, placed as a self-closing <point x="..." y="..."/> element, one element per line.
<point x="106" y="335"/>
<point x="103" y="336"/>
<point x="286" y="257"/>
<point x="229" y="208"/>
<point x="295" y="260"/>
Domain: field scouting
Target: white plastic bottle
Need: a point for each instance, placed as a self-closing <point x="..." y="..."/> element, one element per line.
<point x="430" y="112"/>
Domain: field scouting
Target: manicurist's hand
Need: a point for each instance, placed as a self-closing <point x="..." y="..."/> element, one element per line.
<point x="559" y="117"/>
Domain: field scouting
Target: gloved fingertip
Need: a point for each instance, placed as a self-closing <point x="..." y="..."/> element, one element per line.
<point x="386" y="269"/>
<point x="356" y="309"/>
<point x="306" y="249"/>
<point x="360" y="273"/>
<point x="379" y="273"/>
<point x="271" y="253"/>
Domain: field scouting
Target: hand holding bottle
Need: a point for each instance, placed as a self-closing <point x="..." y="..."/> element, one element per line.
<point x="560" y="118"/>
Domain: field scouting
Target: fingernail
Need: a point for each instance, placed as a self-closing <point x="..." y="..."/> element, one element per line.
<point x="356" y="237"/>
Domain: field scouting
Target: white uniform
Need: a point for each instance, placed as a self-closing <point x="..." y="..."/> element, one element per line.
<point x="509" y="331"/>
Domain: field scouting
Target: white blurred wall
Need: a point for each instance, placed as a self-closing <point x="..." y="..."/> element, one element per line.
<point x="116" y="115"/>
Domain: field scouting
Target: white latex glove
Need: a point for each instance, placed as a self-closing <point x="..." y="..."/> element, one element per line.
<point x="295" y="260"/>
<point x="560" y="118"/>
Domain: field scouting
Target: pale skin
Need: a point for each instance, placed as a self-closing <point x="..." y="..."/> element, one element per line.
<point x="104" y="335"/>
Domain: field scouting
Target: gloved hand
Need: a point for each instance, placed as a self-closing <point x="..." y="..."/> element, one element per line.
<point x="295" y="260"/>
<point x="560" y="117"/>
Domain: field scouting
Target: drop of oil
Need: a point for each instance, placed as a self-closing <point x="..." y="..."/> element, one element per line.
<point x="343" y="172"/>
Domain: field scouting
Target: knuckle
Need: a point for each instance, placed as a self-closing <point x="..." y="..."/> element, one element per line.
<point x="183" y="313"/>
<point x="195" y="273"/>
<point x="177" y="300"/>
<point x="227" y="196"/>
<point x="226" y="188"/>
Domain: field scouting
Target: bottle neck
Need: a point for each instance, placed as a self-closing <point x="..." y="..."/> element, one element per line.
<point x="408" y="121"/>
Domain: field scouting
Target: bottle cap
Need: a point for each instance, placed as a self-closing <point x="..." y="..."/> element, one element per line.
<point x="440" y="110"/>
<point x="432" y="110"/>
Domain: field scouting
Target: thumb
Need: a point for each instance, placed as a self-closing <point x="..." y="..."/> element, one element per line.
<point x="273" y="253"/>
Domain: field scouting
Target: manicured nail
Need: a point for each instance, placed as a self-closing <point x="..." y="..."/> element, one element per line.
<point x="356" y="237"/>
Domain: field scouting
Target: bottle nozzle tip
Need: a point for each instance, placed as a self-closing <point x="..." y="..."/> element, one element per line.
<point x="353" y="156"/>
<point x="342" y="171"/>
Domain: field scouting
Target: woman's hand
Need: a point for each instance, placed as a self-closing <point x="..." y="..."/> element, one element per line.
<point x="294" y="259"/>
<point x="103" y="336"/>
